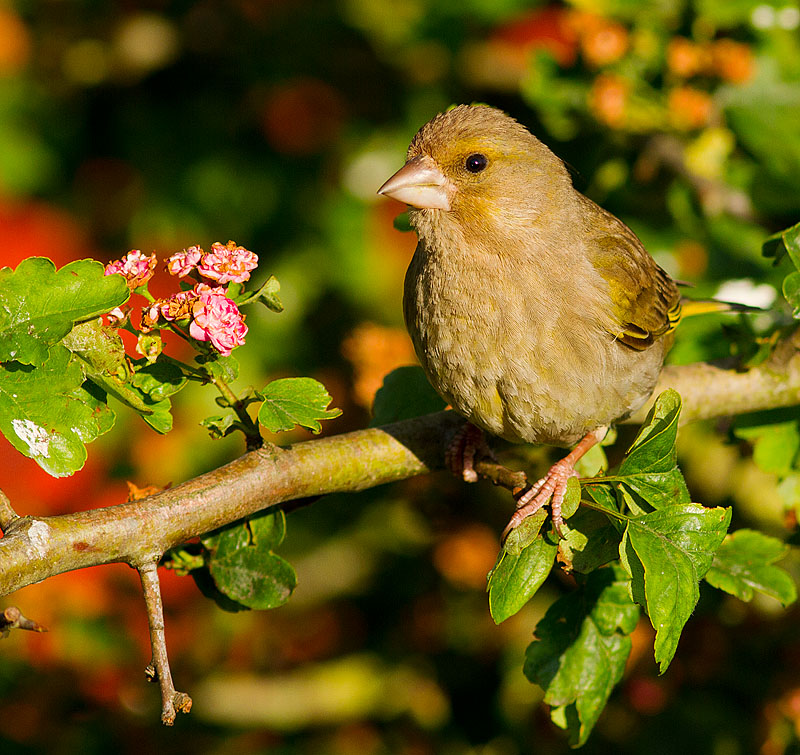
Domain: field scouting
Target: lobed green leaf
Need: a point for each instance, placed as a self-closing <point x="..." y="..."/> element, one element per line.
<point x="580" y="650"/>
<point x="244" y="567"/>
<point x="48" y="414"/>
<point x="649" y="470"/>
<point x="295" y="401"/>
<point x="405" y="393"/>
<point x="522" y="566"/>
<point x="591" y="541"/>
<point x="791" y="292"/>
<point x="744" y="563"/>
<point x="775" y="446"/>
<point x="665" y="553"/>
<point x="784" y="242"/>
<point x="39" y="305"/>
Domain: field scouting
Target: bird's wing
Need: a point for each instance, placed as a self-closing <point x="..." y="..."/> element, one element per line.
<point x="646" y="301"/>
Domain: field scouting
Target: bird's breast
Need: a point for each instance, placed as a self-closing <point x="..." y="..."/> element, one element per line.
<point x="517" y="354"/>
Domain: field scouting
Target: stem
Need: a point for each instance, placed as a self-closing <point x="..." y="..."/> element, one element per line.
<point x="597" y="507"/>
<point x="193" y="373"/>
<point x="7" y="514"/>
<point x="172" y="701"/>
<point x="249" y="428"/>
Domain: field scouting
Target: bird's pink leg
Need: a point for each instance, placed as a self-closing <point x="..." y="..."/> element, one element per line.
<point x="460" y="454"/>
<point x="553" y="485"/>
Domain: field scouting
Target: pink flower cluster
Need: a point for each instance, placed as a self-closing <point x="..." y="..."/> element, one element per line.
<point x="225" y="263"/>
<point x="136" y="268"/>
<point x="217" y="319"/>
<point x="212" y="316"/>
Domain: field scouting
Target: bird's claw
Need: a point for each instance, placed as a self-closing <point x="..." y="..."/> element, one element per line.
<point x="552" y="487"/>
<point x="460" y="454"/>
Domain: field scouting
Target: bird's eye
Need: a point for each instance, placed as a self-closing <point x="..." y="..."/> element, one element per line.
<point x="476" y="163"/>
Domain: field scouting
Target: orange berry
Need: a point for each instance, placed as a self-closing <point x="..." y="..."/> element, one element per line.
<point x="15" y="43"/>
<point x="732" y="61"/>
<point x="684" y="57"/>
<point x="608" y="98"/>
<point x="689" y="108"/>
<point x="604" y="43"/>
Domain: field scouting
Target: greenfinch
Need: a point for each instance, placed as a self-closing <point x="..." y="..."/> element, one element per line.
<point x="536" y="314"/>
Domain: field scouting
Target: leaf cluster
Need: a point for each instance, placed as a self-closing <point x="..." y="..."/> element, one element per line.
<point x="635" y="544"/>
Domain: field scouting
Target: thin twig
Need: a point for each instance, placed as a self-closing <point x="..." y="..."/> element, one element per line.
<point x="12" y="618"/>
<point x="172" y="701"/>
<point x="502" y="476"/>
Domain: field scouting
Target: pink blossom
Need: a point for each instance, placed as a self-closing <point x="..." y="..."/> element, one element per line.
<point x="182" y="263"/>
<point x="178" y="306"/>
<point x="136" y="268"/>
<point x="216" y="318"/>
<point x="226" y="263"/>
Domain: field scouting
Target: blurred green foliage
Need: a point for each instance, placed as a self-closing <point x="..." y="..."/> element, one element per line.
<point x="157" y="125"/>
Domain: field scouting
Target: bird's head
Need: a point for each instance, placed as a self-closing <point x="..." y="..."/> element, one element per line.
<point x="476" y="163"/>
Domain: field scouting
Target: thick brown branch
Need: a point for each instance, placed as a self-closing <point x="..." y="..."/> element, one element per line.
<point x="34" y="549"/>
<point x="710" y="391"/>
<point x="139" y="532"/>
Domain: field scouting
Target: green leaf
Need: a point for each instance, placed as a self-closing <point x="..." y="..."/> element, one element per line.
<point x="744" y="563"/>
<point x="98" y="346"/>
<point x="775" y="446"/>
<point x="218" y="366"/>
<point x="580" y="650"/>
<point x="654" y="447"/>
<point x="268" y="293"/>
<point x="48" y="415"/>
<point x="572" y="498"/>
<point x="520" y="569"/>
<point x="220" y="426"/>
<point x="159" y="416"/>
<point x="590" y="542"/>
<point x="782" y="243"/>
<point x="791" y="292"/>
<point x="602" y="494"/>
<point x="650" y="468"/>
<point x="658" y="489"/>
<point x="405" y="393"/>
<point x="159" y="380"/>
<point x="666" y="553"/>
<point x="242" y="563"/>
<point x="295" y="401"/>
<point x="38" y="306"/>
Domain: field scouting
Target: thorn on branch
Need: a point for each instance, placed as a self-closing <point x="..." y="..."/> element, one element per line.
<point x="172" y="701"/>
<point x="12" y="618"/>
<point x="7" y="514"/>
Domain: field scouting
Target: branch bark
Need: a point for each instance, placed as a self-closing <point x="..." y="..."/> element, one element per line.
<point x="139" y="533"/>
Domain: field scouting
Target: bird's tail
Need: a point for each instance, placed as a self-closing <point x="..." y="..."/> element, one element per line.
<point x="691" y="307"/>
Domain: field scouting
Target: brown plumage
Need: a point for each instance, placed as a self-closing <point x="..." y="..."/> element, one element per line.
<point x="536" y="314"/>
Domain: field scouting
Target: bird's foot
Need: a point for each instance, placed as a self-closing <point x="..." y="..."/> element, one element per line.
<point x="462" y="451"/>
<point x="552" y="487"/>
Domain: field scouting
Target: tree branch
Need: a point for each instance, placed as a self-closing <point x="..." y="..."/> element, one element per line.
<point x="172" y="701"/>
<point x="136" y="533"/>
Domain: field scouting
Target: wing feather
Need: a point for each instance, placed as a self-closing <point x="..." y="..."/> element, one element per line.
<point x="646" y="301"/>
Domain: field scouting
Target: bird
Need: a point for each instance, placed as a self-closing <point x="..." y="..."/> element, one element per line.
<point x="536" y="314"/>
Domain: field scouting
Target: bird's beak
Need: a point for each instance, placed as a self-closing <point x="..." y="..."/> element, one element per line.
<point x="421" y="184"/>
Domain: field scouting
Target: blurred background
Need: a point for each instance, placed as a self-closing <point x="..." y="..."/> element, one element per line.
<point x="157" y="125"/>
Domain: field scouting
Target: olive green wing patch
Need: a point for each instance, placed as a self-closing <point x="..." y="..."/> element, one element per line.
<point x="646" y="302"/>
